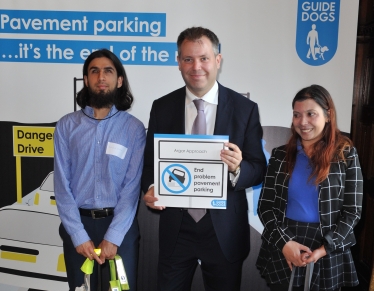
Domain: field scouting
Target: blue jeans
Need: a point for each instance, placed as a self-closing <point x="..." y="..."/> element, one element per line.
<point x="96" y="229"/>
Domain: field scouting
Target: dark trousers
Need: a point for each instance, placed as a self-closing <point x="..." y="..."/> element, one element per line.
<point x="284" y="287"/>
<point x="96" y="229"/>
<point x="198" y="241"/>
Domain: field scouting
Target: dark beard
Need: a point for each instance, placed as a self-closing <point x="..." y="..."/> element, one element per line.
<point x="101" y="99"/>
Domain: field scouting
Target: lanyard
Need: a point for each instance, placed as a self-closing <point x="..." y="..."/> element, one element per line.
<point x="118" y="279"/>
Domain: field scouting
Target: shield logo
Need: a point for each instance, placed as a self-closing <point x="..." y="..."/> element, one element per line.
<point x="317" y="31"/>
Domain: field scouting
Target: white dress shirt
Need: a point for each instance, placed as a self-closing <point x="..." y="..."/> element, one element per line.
<point x="210" y="110"/>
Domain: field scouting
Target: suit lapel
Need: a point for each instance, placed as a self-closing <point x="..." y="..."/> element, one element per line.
<point x="178" y="112"/>
<point x="224" y="112"/>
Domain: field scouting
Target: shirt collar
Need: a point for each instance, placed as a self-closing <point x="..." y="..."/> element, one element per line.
<point x="211" y="96"/>
<point x="299" y="148"/>
<point x="88" y="110"/>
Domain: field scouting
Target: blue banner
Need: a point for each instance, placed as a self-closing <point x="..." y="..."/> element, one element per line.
<point x="317" y="31"/>
<point x="74" y="51"/>
<point x="82" y="23"/>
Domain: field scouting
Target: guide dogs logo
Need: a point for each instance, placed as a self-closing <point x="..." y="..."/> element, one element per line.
<point x="317" y="31"/>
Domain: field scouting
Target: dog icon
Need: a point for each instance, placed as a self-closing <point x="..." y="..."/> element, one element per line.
<point x="320" y="50"/>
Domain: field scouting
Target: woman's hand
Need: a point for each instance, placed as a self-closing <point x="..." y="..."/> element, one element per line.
<point x="314" y="256"/>
<point x="294" y="254"/>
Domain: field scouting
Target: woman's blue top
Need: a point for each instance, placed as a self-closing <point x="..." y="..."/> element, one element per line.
<point x="302" y="202"/>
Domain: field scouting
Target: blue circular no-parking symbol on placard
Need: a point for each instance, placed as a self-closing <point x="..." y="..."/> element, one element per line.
<point x="179" y="174"/>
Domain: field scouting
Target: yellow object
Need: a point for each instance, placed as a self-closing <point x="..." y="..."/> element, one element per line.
<point x="115" y="284"/>
<point x="118" y="279"/>
<point x="36" y="198"/>
<point x="19" y="179"/>
<point x="18" y="257"/>
<point x="88" y="264"/>
<point x="33" y="141"/>
<point x="61" y="263"/>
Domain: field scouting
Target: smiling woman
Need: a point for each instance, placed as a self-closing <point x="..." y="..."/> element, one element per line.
<point x="311" y="200"/>
<point x="309" y="121"/>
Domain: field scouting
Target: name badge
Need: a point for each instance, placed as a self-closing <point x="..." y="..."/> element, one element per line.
<point x="116" y="149"/>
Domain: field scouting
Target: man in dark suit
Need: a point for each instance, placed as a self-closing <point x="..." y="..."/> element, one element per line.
<point x="220" y="239"/>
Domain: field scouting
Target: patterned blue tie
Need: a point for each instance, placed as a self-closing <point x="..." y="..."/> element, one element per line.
<point x="198" y="127"/>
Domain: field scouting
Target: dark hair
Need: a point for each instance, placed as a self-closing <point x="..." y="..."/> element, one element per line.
<point x="332" y="144"/>
<point x="195" y="33"/>
<point x="124" y="98"/>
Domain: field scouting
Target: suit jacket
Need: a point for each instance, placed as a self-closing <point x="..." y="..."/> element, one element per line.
<point x="237" y="117"/>
<point x="340" y="201"/>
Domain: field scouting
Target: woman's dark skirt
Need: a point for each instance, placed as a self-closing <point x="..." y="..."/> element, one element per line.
<point x="330" y="272"/>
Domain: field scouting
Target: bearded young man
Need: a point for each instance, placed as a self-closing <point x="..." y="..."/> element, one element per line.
<point x="97" y="170"/>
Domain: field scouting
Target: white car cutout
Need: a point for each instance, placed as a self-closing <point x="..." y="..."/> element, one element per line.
<point x="31" y="253"/>
<point x="43" y="196"/>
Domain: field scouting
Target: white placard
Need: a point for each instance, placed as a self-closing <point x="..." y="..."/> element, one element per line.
<point x="189" y="172"/>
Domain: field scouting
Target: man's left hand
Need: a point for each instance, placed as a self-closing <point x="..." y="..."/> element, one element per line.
<point x="232" y="156"/>
<point x="108" y="250"/>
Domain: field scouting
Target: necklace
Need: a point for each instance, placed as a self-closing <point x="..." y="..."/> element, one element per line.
<point x="97" y="118"/>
